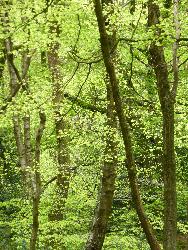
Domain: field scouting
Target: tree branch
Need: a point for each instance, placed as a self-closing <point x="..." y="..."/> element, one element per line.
<point x="48" y="183"/>
<point x="175" y="50"/>
<point x="39" y="135"/>
<point x="84" y="105"/>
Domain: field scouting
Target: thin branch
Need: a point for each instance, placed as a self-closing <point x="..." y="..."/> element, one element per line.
<point x="130" y="84"/>
<point x="87" y="76"/>
<point x="48" y="183"/>
<point x="175" y="50"/>
<point x="10" y="58"/>
<point x="39" y="135"/>
<point x="8" y="100"/>
<point x="182" y="39"/>
<point x="85" y="105"/>
<point x="63" y="115"/>
<point x="84" y="60"/>
<point x="70" y="79"/>
<point x="23" y="25"/>
<point x="183" y="62"/>
<point x="79" y="32"/>
<point x="137" y="23"/>
<point x="141" y="61"/>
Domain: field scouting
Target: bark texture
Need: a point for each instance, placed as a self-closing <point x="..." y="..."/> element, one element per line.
<point x="105" y="199"/>
<point x="29" y="165"/>
<point x="60" y="127"/>
<point x="2" y="62"/>
<point x="37" y="182"/>
<point x="103" y="210"/>
<point x="124" y="129"/>
<point x="28" y="162"/>
<point x="167" y="96"/>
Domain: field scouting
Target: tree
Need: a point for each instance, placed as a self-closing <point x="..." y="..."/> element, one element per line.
<point x="29" y="163"/>
<point x="167" y="96"/>
<point x="54" y="76"/>
<point x="124" y="128"/>
<point x="63" y="157"/>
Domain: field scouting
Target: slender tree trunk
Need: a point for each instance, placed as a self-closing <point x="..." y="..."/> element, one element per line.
<point x="21" y="151"/>
<point x="2" y="62"/>
<point x="29" y="167"/>
<point x="37" y="188"/>
<point x="2" y="49"/>
<point x="23" y="142"/>
<point x="105" y="199"/>
<point x="3" y="12"/>
<point x="35" y="224"/>
<point x="63" y="157"/>
<point x="169" y="174"/>
<point x="167" y="96"/>
<point x="103" y="210"/>
<point x="124" y="129"/>
<point x="16" y="120"/>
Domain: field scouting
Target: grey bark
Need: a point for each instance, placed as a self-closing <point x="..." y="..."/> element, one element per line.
<point x="23" y="140"/>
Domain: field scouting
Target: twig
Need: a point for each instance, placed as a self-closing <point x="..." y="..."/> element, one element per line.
<point x="39" y="135"/>
<point x="87" y="76"/>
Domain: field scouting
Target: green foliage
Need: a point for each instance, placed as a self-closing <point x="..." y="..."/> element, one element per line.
<point x="83" y="77"/>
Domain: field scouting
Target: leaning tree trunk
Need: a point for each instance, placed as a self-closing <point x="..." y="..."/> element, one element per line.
<point x="124" y="129"/>
<point x="167" y="97"/>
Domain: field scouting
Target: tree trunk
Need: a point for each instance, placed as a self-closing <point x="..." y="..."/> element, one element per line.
<point x="103" y="210"/>
<point x="105" y="199"/>
<point x="16" y="120"/>
<point x="2" y="63"/>
<point x="169" y="174"/>
<point x="37" y="181"/>
<point x="124" y="129"/>
<point x="63" y="157"/>
<point x="31" y="177"/>
<point x="167" y="98"/>
<point x="23" y="141"/>
<point x="35" y="225"/>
